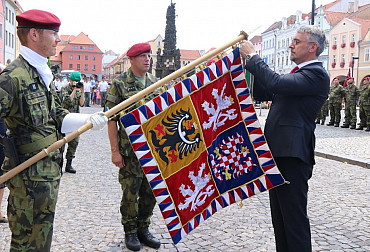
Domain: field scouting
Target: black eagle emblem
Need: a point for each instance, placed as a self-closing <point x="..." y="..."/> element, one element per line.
<point x="178" y="136"/>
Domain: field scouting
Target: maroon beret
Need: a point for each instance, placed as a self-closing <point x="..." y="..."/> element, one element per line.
<point x="138" y="49"/>
<point x="38" y="19"/>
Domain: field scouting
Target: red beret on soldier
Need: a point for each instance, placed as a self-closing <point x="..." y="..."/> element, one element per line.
<point x="138" y="49"/>
<point x="38" y="19"/>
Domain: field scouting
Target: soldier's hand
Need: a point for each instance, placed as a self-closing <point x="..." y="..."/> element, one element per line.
<point x="118" y="160"/>
<point x="99" y="120"/>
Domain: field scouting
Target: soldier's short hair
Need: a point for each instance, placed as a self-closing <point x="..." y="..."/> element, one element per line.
<point x="316" y="35"/>
<point x="23" y="32"/>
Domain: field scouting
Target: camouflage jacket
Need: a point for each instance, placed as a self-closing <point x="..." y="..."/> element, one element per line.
<point x="336" y="93"/>
<point x="33" y="116"/>
<point x="365" y="95"/>
<point x="351" y="93"/>
<point x="69" y="104"/>
<point x="122" y="88"/>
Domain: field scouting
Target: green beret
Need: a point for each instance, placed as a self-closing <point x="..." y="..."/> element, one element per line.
<point x="75" y="76"/>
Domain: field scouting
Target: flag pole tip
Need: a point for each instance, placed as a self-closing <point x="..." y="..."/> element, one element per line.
<point x="245" y="34"/>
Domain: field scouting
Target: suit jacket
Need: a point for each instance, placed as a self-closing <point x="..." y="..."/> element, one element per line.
<point x="296" y="100"/>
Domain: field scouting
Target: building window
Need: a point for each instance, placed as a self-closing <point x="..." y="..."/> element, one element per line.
<point x="71" y="66"/>
<point x="86" y="57"/>
<point x="6" y="37"/>
<point x="1" y="31"/>
<point x="78" y="57"/>
<point x="90" y="48"/>
<point x="78" y="67"/>
<point x="83" y="47"/>
<point x="93" y="58"/>
<point x="71" y="57"/>
<point x="86" y="67"/>
<point x="12" y="40"/>
<point x="344" y="39"/>
<point x="10" y="15"/>
<point x="6" y="13"/>
<point x="343" y="58"/>
<point x="12" y="18"/>
<point x="367" y="54"/>
<point x="286" y="61"/>
<point x="353" y="37"/>
<point x="93" y="68"/>
<point x="335" y="40"/>
<point x="74" y="47"/>
<point x="159" y="44"/>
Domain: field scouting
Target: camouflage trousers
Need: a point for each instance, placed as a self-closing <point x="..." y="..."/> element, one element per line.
<point x="323" y="112"/>
<point x="350" y="116"/>
<point x="334" y="109"/>
<point x="138" y="200"/>
<point x="31" y="210"/>
<point x="72" y="147"/>
<point x="365" y="115"/>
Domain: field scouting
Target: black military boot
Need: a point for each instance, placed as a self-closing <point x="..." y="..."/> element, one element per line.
<point x="148" y="239"/>
<point x="359" y="128"/>
<point x="345" y="125"/>
<point x="336" y="124"/>
<point x="368" y="128"/>
<point x="132" y="242"/>
<point x="323" y="123"/>
<point x="352" y="126"/>
<point x="330" y="124"/>
<point x="69" y="167"/>
<point x="317" y="121"/>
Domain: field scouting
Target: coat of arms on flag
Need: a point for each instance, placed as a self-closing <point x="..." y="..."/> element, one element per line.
<point x="201" y="146"/>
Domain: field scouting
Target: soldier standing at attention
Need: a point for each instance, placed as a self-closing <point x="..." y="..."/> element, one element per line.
<point x="351" y="94"/>
<point x="365" y="105"/>
<point x="323" y="113"/>
<point x="138" y="200"/>
<point x="72" y="98"/>
<point x="33" y="115"/>
<point x="336" y="95"/>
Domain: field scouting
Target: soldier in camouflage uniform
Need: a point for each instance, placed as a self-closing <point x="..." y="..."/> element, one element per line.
<point x="321" y="116"/>
<point x="72" y="98"/>
<point x="350" y="99"/>
<point x="336" y="95"/>
<point x="33" y="116"/>
<point x="365" y="105"/>
<point x="138" y="200"/>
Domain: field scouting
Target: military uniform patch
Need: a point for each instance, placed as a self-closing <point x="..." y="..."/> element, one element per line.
<point x="33" y="87"/>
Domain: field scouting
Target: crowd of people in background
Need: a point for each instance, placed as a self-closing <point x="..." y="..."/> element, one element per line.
<point x="94" y="90"/>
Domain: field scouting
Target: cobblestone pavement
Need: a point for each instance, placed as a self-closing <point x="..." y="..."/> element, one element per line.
<point x="88" y="218"/>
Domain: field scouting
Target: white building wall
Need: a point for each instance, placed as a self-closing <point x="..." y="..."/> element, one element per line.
<point x="9" y="32"/>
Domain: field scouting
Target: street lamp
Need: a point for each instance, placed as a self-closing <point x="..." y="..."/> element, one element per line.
<point x="353" y="63"/>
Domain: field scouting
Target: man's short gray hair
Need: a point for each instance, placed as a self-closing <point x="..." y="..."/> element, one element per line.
<point x="314" y="34"/>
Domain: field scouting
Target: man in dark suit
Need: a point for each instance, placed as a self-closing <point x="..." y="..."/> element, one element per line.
<point x="296" y="100"/>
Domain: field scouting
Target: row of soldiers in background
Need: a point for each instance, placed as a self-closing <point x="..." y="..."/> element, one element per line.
<point x="350" y="93"/>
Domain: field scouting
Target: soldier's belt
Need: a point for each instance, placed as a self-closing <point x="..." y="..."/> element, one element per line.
<point x="37" y="145"/>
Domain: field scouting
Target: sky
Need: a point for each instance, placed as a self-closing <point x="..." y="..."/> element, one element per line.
<point x="201" y="24"/>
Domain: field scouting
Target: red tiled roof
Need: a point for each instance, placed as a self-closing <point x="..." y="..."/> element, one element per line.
<point x="365" y="25"/>
<point x="189" y="54"/>
<point x="334" y="18"/>
<point x="256" y="39"/>
<point x="276" y="25"/>
<point x="82" y="38"/>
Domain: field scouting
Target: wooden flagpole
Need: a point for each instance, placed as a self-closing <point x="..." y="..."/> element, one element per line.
<point x="119" y="107"/>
